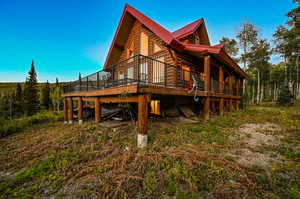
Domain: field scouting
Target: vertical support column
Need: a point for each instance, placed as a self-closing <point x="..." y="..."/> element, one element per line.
<point x="230" y="106"/>
<point x="221" y="106"/>
<point x="237" y="84"/>
<point x="230" y="84"/>
<point x="80" y="110"/>
<point x="206" y="108"/>
<point x="221" y="79"/>
<point x="207" y="73"/>
<point x="97" y="110"/>
<point x="65" y="110"/>
<point x="71" y="112"/>
<point x="142" y="137"/>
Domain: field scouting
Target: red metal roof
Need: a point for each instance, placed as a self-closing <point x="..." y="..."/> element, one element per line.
<point x="172" y="39"/>
<point x="188" y="29"/>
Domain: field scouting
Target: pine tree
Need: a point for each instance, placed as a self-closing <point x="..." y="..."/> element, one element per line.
<point x="45" y="96"/>
<point x="31" y="97"/>
<point x="230" y="46"/>
<point x="285" y="96"/>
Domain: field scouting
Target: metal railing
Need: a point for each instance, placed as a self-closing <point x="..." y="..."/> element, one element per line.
<point x="141" y="70"/>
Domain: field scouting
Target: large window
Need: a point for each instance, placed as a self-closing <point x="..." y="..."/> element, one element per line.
<point x="144" y="71"/>
<point x="186" y="73"/>
<point x="159" y="71"/>
<point x="130" y="73"/>
<point x="144" y="44"/>
<point x="156" y="48"/>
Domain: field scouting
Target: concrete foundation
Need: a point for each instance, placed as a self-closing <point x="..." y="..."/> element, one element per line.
<point x="70" y="121"/>
<point x="80" y="122"/>
<point x="142" y="140"/>
<point x="65" y="122"/>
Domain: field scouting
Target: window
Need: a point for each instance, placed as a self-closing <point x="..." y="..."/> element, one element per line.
<point x="156" y="48"/>
<point x="186" y="73"/>
<point x="144" y="71"/>
<point x="121" y="74"/>
<point x="130" y="50"/>
<point x="130" y="73"/>
<point x="159" y="71"/>
<point x="144" y="44"/>
<point x="155" y="107"/>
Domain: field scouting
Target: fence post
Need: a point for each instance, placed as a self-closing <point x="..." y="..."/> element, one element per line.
<point x="138" y="67"/>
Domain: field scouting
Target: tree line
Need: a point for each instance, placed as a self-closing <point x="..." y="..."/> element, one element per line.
<point x="30" y="98"/>
<point x="269" y="82"/>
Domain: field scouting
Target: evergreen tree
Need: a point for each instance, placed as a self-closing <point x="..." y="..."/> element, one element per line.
<point x="230" y="46"/>
<point x="45" y="96"/>
<point x="285" y="96"/>
<point x="19" y="100"/>
<point x="31" y="97"/>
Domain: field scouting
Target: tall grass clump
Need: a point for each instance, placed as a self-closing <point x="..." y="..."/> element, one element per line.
<point x="8" y="127"/>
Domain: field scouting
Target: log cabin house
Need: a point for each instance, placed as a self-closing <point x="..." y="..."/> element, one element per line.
<point x="158" y="69"/>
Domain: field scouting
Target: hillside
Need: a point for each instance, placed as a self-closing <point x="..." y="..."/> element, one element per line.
<point x="11" y="86"/>
<point x="249" y="154"/>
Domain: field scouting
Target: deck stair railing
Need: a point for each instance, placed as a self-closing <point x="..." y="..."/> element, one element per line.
<point x="138" y="69"/>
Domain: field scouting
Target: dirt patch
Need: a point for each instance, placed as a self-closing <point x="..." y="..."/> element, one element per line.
<point x="249" y="138"/>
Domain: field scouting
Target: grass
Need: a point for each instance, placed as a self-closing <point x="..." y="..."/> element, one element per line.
<point x="54" y="160"/>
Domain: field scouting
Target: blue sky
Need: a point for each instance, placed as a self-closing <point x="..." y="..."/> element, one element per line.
<point x="65" y="37"/>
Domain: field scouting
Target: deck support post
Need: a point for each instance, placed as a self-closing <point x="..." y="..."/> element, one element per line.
<point x="142" y="137"/>
<point x="65" y="110"/>
<point x="206" y="108"/>
<point x="230" y="84"/>
<point x="71" y="112"/>
<point x="97" y="110"/>
<point x="207" y="73"/>
<point x="221" y="106"/>
<point x="230" y="106"/>
<point x="237" y="85"/>
<point x="221" y="79"/>
<point x="80" y="110"/>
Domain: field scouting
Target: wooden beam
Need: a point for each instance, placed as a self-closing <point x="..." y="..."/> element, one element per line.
<point x="97" y="110"/>
<point x="104" y="92"/>
<point x="65" y="110"/>
<point x="143" y="114"/>
<point x="230" y="84"/>
<point x="221" y="79"/>
<point x="206" y="108"/>
<point x="71" y="112"/>
<point x="237" y="84"/>
<point x="221" y="106"/>
<point x="80" y="109"/>
<point x="207" y="73"/>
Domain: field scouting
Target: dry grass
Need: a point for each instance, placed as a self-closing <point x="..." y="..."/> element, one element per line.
<point x="182" y="161"/>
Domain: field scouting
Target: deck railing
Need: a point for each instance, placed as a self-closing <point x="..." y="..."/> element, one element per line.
<point x="141" y="70"/>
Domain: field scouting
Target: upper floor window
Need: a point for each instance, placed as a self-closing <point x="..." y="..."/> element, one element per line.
<point x="186" y="73"/>
<point x="144" y="44"/>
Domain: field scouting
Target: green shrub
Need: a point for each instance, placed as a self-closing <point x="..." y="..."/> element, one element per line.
<point x="285" y="96"/>
<point x="8" y="127"/>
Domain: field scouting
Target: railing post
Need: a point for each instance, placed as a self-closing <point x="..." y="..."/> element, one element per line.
<point x="138" y="67"/>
